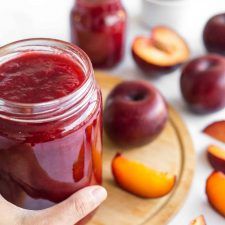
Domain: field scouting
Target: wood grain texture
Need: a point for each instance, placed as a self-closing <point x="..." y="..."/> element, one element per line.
<point x="172" y="151"/>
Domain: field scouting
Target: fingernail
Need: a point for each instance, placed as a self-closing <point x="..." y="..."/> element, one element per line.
<point x="99" y="194"/>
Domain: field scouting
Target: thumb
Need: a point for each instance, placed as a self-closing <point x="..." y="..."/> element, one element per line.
<point x="71" y="210"/>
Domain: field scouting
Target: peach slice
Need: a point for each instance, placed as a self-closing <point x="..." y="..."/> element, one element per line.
<point x="141" y="180"/>
<point x="215" y="190"/>
<point x="216" y="130"/>
<point x="198" y="221"/>
<point x="160" y="53"/>
<point x="216" y="156"/>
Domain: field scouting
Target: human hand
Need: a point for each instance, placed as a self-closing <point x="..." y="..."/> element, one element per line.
<point x="68" y="212"/>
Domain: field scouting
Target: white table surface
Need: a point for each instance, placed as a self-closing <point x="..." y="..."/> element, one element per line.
<point x="21" y="19"/>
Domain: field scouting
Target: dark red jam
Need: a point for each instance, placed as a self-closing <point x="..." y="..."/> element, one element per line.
<point x="50" y="129"/>
<point x="99" y="28"/>
<point x="38" y="77"/>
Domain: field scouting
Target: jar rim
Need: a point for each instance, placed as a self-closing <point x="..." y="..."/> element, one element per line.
<point x="56" y="109"/>
<point x="51" y="40"/>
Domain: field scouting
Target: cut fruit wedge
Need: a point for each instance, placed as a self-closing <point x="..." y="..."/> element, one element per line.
<point x="216" y="130"/>
<point x="141" y="180"/>
<point x="198" y="221"/>
<point x="216" y="156"/>
<point x="215" y="190"/>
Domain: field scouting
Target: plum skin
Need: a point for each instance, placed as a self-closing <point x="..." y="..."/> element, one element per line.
<point x="216" y="162"/>
<point x="202" y="83"/>
<point x="214" y="33"/>
<point x="135" y="113"/>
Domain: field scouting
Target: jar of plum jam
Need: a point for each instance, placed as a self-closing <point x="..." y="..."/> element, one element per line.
<point x="99" y="28"/>
<point x="50" y="123"/>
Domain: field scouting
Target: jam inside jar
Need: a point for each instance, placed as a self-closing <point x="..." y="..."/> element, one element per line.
<point x="99" y="28"/>
<point x="50" y="123"/>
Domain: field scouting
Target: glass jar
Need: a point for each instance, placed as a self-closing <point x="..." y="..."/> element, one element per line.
<point x="49" y="150"/>
<point x="99" y="28"/>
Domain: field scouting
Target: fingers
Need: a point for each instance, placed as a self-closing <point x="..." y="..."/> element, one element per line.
<point x="73" y="209"/>
<point x="68" y="212"/>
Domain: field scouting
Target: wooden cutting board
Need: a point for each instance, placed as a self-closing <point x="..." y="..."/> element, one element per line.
<point x="172" y="151"/>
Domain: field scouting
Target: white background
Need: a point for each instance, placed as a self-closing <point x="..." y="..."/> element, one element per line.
<point x="21" y="19"/>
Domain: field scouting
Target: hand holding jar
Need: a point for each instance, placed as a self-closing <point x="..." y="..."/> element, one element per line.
<point x="50" y="123"/>
<point x="68" y="212"/>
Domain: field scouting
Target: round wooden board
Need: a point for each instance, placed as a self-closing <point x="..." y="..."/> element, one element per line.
<point x="172" y="151"/>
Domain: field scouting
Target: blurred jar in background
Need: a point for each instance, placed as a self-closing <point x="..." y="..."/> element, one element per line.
<point x="99" y="28"/>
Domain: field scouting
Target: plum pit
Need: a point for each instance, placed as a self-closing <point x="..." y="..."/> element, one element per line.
<point x="160" y="53"/>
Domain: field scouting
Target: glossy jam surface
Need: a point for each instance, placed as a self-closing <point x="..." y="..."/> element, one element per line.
<point x="99" y="28"/>
<point x="44" y="163"/>
<point x="51" y="76"/>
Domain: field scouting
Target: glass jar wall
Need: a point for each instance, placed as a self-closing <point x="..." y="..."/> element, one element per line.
<point x="51" y="126"/>
<point x="99" y="28"/>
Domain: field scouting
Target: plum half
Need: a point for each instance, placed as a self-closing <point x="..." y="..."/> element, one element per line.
<point x="160" y="53"/>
